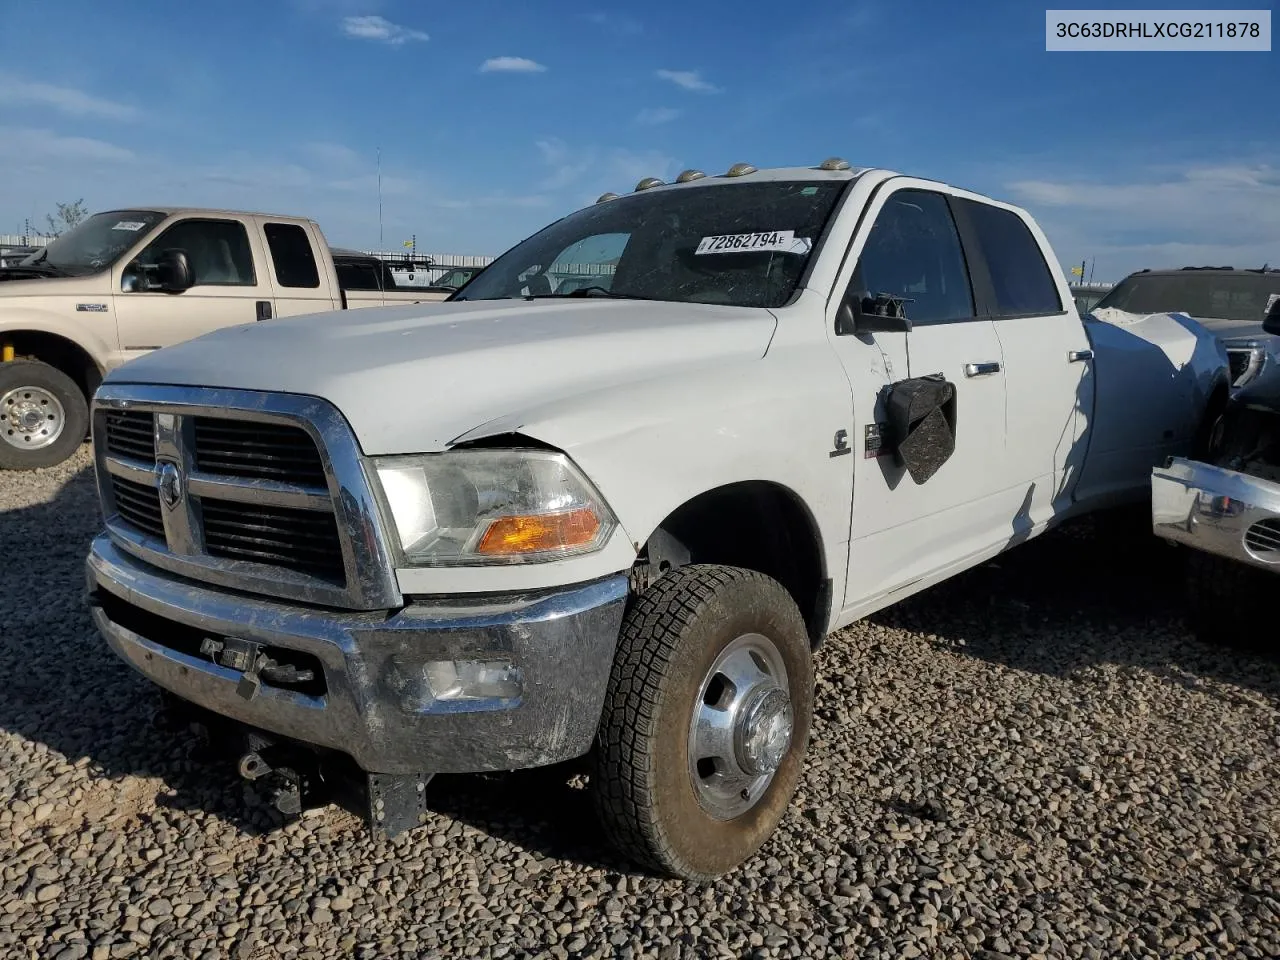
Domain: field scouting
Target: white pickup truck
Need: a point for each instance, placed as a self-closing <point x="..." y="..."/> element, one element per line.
<point x="524" y="527"/>
<point x="125" y="282"/>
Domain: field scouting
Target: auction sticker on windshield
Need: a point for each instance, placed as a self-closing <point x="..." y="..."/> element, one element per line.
<point x="782" y="241"/>
<point x="134" y="225"/>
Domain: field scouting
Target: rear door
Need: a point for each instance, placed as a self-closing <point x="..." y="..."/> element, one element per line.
<point x="229" y="269"/>
<point x="299" y="268"/>
<point x="1048" y="368"/>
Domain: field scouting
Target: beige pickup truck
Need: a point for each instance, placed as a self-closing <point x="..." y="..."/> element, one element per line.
<point x="124" y="282"/>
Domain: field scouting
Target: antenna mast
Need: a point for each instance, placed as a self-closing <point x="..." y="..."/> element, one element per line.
<point x="380" y="244"/>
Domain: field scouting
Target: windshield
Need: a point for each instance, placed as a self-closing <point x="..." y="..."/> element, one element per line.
<point x="1205" y="296"/>
<point x="96" y="243"/>
<point x="744" y="244"/>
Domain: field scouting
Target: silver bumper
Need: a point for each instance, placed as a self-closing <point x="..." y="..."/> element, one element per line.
<point x="1217" y="510"/>
<point x="372" y="700"/>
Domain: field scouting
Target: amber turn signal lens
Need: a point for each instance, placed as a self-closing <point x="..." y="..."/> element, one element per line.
<point x="539" y="532"/>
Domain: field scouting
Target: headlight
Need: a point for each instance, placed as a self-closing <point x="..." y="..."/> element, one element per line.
<point x="491" y="507"/>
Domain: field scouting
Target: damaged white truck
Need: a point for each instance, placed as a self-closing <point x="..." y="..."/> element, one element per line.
<point x="526" y="526"/>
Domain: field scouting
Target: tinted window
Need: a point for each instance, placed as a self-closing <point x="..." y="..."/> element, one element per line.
<point x="356" y="276"/>
<point x="1210" y="296"/>
<point x="218" y="251"/>
<point x="744" y="244"/>
<point x="291" y="255"/>
<point x="1022" y="281"/>
<point x="914" y="252"/>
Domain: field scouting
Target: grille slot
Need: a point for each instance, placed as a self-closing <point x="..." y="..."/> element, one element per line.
<point x="301" y="540"/>
<point x="258" y="451"/>
<point x="130" y="433"/>
<point x="138" y="505"/>
<point x="1263" y="540"/>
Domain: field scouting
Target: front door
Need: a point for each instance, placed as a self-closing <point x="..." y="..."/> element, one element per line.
<point x="901" y="531"/>
<point x="229" y="286"/>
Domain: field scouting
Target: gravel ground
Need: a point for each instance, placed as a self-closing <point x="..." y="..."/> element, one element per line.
<point x="1032" y="760"/>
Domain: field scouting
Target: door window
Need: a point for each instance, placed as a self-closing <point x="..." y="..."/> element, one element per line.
<point x="218" y="251"/>
<point x="913" y="252"/>
<point x="1021" y="280"/>
<point x="291" y="255"/>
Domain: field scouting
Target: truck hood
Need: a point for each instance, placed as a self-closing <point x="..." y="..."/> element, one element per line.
<point x="413" y="378"/>
<point x="24" y="285"/>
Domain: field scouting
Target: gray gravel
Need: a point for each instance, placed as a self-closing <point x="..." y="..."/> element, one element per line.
<point x="1032" y="760"/>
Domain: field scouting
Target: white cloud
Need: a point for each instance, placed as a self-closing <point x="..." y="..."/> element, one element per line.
<point x="580" y="174"/>
<point x="335" y="154"/>
<point x="1211" y="213"/>
<point x="26" y="144"/>
<point x="652" y="116"/>
<point x="511" y="65"/>
<point x="688" y="80"/>
<point x="381" y="30"/>
<point x="75" y="103"/>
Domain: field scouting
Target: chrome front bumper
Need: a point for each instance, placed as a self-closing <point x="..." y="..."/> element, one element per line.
<point x="372" y="700"/>
<point x="1219" y="511"/>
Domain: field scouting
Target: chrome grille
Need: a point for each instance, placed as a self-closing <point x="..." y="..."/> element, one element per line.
<point x="1263" y="540"/>
<point x="298" y="539"/>
<point x="139" y="505"/>
<point x="258" y="451"/>
<point x="254" y="491"/>
<point x="130" y="433"/>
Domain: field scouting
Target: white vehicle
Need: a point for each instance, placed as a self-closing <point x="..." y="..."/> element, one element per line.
<point x="523" y="527"/>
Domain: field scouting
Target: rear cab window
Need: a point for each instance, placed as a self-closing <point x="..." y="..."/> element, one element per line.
<point x="291" y="255"/>
<point x="1021" y="282"/>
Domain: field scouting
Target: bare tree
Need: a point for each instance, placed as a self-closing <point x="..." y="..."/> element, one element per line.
<point x="69" y="214"/>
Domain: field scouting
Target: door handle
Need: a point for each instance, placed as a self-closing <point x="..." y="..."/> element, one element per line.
<point x="982" y="369"/>
<point x="1075" y="356"/>
<point x="263" y="308"/>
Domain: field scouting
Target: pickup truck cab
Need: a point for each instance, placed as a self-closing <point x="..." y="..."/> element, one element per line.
<point x="613" y="523"/>
<point x="125" y="282"/>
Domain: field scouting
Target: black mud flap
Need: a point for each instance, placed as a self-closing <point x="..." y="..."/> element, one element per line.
<point x="922" y="422"/>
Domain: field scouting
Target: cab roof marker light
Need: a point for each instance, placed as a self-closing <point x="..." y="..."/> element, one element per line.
<point x="740" y="170"/>
<point x="689" y="176"/>
<point x="834" y="163"/>
<point x="648" y="183"/>
<point x="604" y="197"/>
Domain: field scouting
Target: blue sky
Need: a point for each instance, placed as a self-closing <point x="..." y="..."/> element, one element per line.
<point x="494" y="118"/>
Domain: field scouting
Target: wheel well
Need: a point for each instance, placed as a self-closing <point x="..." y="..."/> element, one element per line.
<point x="758" y="525"/>
<point x="58" y="352"/>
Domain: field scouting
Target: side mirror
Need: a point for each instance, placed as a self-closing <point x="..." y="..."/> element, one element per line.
<point x="922" y="421"/>
<point x="1272" y="322"/>
<point x="882" y="313"/>
<point x="173" y="272"/>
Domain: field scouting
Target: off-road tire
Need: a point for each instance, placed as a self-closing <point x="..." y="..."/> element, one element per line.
<point x="1224" y="600"/>
<point x="33" y="373"/>
<point x="670" y="637"/>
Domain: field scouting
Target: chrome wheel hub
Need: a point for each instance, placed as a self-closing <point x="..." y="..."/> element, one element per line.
<point x="30" y="418"/>
<point x="741" y="727"/>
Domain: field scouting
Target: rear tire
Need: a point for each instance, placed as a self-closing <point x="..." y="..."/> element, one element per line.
<point x="43" y="415"/>
<point x="681" y="641"/>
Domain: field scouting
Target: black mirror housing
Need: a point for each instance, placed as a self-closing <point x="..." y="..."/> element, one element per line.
<point x="173" y="271"/>
<point x="1271" y="324"/>
<point x="865" y="314"/>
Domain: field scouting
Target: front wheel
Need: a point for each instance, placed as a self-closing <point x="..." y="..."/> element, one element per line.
<point x="706" y="721"/>
<point x="43" y="415"/>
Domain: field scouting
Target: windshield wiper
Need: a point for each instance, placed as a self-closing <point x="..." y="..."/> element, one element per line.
<point x="37" y="269"/>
